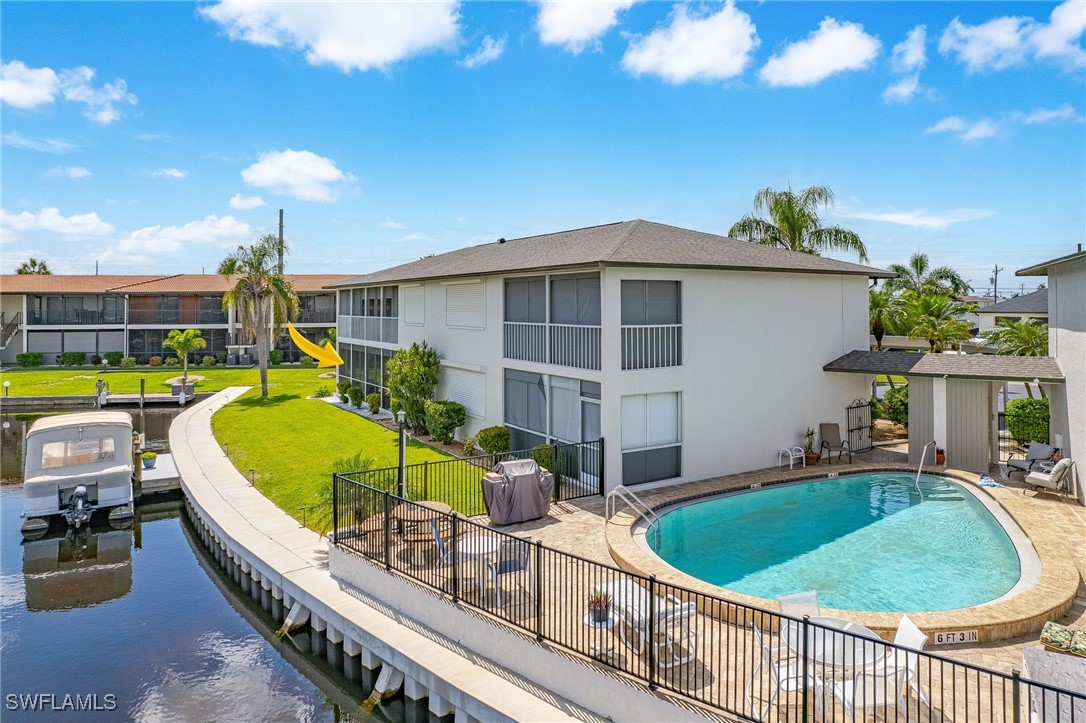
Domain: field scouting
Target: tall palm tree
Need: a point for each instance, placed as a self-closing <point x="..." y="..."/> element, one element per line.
<point x="1020" y="338"/>
<point x="329" y="337"/>
<point x="883" y="308"/>
<point x="264" y="299"/>
<point x="937" y="318"/>
<point x="184" y="343"/>
<point x="918" y="277"/>
<point x="794" y="225"/>
<point x="33" y="267"/>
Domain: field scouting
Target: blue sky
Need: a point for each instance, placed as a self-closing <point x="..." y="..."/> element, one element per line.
<point x="155" y="137"/>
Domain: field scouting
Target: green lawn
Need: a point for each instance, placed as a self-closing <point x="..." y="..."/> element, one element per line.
<point x="881" y="379"/>
<point x="45" y="382"/>
<point x="291" y="442"/>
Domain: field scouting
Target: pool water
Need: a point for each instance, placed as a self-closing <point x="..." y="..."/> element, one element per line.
<point x="864" y="542"/>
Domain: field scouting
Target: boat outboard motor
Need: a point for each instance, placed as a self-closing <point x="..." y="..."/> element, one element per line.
<point x="79" y="507"/>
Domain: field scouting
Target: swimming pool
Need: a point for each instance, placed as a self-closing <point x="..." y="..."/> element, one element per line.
<point x="864" y="542"/>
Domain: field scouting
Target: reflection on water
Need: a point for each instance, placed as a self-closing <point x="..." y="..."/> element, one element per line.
<point x="81" y="569"/>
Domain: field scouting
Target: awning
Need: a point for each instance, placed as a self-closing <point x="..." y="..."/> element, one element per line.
<point x="953" y="366"/>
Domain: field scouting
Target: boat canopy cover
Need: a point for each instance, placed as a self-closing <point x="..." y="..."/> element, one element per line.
<point x="78" y="444"/>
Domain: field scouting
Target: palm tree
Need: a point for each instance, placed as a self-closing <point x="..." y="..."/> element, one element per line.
<point x="794" y="225"/>
<point x="264" y="299"/>
<point x="329" y="337"/>
<point x="1020" y="338"/>
<point x="937" y="318"/>
<point x="918" y="277"/>
<point x="33" y="267"/>
<point x="184" y="343"/>
<point x="883" y="309"/>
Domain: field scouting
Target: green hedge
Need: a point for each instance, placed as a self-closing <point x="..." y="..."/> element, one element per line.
<point x="30" y="359"/>
<point x="442" y="419"/>
<point x="114" y="358"/>
<point x="373" y="401"/>
<point x="73" y="358"/>
<point x="493" y="440"/>
<point x="895" y="404"/>
<point x="543" y="454"/>
<point x="275" y="356"/>
<point x="1027" y="420"/>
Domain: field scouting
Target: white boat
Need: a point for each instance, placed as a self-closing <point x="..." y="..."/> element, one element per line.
<point x="76" y="464"/>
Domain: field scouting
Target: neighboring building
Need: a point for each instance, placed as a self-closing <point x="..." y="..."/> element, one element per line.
<point x="691" y="354"/>
<point x="1019" y="308"/>
<point x="1067" y="343"/>
<point x="133" y="314"/>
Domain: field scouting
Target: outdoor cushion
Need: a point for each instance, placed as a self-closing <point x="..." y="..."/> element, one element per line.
<point x="1078" y="643"/>
<point x="1056" y="636"/>
<point x="1037" y="451"/>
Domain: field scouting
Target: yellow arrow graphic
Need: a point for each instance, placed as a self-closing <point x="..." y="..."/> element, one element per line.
<point x="326" y="356"/>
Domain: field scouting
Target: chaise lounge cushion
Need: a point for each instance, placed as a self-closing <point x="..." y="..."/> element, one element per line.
<point x="1037" y="451"/>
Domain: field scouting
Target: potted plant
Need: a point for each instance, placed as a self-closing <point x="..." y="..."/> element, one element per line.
<point x="599" y="606"/>
<point x="940" y="456"/>
<point x="810" y="456"/>
<point x="149" y="459"/>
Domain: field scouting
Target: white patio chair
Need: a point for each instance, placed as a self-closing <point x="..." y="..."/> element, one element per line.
<point x="785" y="675"/>
<point x="1058" y="480"/>
<point x="1037" y="452"/>
<point x="799" y="604"/>
<point x="674" y="628"/>
<point x="890" y="678"/>
<point x="902" y="662"/>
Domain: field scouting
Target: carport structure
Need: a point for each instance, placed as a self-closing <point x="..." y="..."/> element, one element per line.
<point x="953" y="398"/>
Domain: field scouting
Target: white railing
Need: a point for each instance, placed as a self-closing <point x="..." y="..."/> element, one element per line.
<point x="369" y="328"/>
<point x="568" y="345"/>
<point x="652" y="346"/>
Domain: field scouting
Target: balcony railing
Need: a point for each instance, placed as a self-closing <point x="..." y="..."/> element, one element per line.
<point x="369" y="328"/>
<point x="317" y="316"/>
<point x="176" y="316"/>
<point x="652" y="347"/>
<point x="41" y="317"/>
<point x="568" y="345"/>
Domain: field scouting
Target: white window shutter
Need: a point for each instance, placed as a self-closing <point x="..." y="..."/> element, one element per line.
<point x="465" y="305"/>
<point x="467" y="388"/>
<point x="414" y="302"/>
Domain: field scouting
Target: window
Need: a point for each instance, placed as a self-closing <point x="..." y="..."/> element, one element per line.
<point x="651" y="448"/>
<point x="465" y="305"/>
<point x="71" y="452"/>
<point x="575" y="300"/>
<point x="526" y="300"/>
<point x="467" y="388"/>
<point x="414" y="303"/>
<point x="525" y="401"/>
<point x="651" y="303"/>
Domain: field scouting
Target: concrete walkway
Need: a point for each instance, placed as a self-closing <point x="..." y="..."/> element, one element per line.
<point x="292" y="562"/>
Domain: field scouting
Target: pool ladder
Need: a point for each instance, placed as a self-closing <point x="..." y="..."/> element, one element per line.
<point x="919" y="469"/>
<point x="636" y="504"/>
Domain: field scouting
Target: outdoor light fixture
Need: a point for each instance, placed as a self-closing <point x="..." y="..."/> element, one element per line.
<point x="7" y="386"/>
<point x="400" y="415"/>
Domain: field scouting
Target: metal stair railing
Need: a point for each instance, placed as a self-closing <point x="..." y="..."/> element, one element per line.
<point x="8" y="329"/>
<point x="635" y="503"/>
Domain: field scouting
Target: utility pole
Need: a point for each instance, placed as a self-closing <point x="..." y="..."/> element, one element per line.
<point x="995" y="283"/>
<point x="280" y="242"/>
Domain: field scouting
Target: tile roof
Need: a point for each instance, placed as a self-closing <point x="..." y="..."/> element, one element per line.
<point x="628" y="243"/>
<point x="175" y="284"/>
<point x="957" y="366"/>
<point x="1035" y="303"/>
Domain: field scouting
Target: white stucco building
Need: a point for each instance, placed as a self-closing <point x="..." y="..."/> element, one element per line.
<point x="691" y="354"/>
<point x="1026" y="307"/>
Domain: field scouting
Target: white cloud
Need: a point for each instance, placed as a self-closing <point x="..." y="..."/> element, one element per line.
<point x="903" y="90"/>
<point x="245" y="203"/>
<point x="25" y="87"/>
<point x="301" y="174"/>
<point x="1010" y="41"/>
<point x="46" y="145"/>
<point x="966" y="130"/>
<point x="348" y="36"/>
<point x="833" y="48"/>
<point x="910" y="54"/>
<point x="489" y="51"/>
<point x="921" y="218"/>
<point x="167" y="173"/>
<point x="68" y="172"/>
<point x="1047" y="115"/>
<point x="693" y="46"/>
<point x="390" y="224"/>
<point x="225" y="231"/>
<point x="75" y="84"/>
<point x="577" y="25"/>
<point x="52" y="220"/>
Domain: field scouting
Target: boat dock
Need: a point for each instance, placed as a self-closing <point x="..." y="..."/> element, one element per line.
<point x="162" y="477"/>
<point x="137" y="399"/>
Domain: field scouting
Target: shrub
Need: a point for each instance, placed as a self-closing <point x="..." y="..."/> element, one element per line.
<point x="470" y="446"/>
<point x="341" y="387"/>
<point x="442" y="419"/>
<point x="73" y="358"/>
<point x="306" y="361"/>
<point x="1027" y="420"/>
<point x="171" y="361"/>
<point x="373" y="401"/>
<point x="275" y="356"/>
<point x="209" y="360"/>
<point x="493" y="440"/>
<point x="95" y="360"/>
<point x="155" y="361"/>
<point x="30" y="359"/>
<point x="322" y="392"/>
<point x="220" y="357"/>
<point x="896" y="404"/>
<point x="543" y="454"/>
<point x="128" y="362"/>
<point x="877" y="412"/>
<point x="412" y="378"/>
<point x="114" y="358"/>
<point x="356" y="393"/>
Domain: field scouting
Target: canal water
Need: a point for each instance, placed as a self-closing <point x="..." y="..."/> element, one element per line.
<point x="140" y="624"/>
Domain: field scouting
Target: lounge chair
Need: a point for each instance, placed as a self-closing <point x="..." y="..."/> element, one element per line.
<point x="514" y="558"/>
<point x="672" y="635"/>
<point x="799" y="604"/>
<point x="1037" y="452"/>
<point x="1057" y="480"/>
<point x="831" y="441"/>
<point x="785" y="675"/>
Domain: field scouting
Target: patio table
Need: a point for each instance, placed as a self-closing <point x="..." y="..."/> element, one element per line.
<point x="478" y="548"/>
<point x="829" y="645"/>
<point x="420" y="511"/>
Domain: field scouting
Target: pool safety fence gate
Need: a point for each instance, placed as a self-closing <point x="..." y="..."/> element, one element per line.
<point x="577" y="468"/>
<point x="1028" y="425"/>
<point x="859" y="425"/>
<point x="742" y="660"/>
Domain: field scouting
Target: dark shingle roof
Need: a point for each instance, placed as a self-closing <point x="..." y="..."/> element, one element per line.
<point x="1035" y="303"/>
<point x="957" y="366"/>
<point x="1041" y="269"/>
<point x="629" y="243"/>
<point x="125" y="284"/>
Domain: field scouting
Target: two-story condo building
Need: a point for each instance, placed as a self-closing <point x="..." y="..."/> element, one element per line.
<point x="133" y="314"/>
<point x="670" y="344"/>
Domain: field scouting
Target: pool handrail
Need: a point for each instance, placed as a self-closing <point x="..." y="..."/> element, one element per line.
<point x="635" y="503"/>
<point x="920" y="467"/>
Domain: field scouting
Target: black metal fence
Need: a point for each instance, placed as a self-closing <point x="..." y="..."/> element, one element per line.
<point x="578" y="472"/>
<point x="858" y="416"/>
<point x="742" y="660"/>
<point x="1024" y="424"/>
